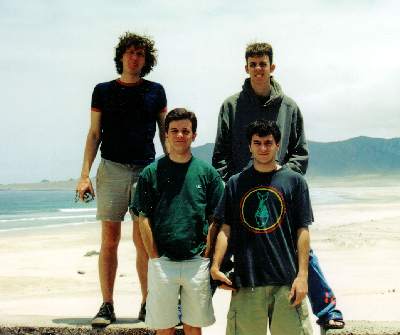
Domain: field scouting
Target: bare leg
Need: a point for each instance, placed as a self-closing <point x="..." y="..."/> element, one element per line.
<point x="108" y="261"/>
<point x="169" y="331"/>
<point x="141" y="259"/>
<point x="189" y="330"/>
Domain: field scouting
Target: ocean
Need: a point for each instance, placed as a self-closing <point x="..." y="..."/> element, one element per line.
<point x="24" y="210"/>
<point x="27" y="210"/>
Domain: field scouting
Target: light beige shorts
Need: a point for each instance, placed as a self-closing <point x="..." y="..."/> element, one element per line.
<point x="115" y="185"/>
<point x="253" y="309"/>
<point x="189" y="279"/>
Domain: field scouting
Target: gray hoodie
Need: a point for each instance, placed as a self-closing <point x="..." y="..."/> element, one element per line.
<point x="231" y="151"/>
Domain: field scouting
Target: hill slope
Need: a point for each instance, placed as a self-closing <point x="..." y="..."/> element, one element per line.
<point x="359" y="155"/>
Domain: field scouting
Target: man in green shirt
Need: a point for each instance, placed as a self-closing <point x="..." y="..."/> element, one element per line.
<point x="174" y="199"/>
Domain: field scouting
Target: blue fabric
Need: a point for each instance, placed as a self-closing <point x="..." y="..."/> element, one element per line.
<point x="322" y="298"/>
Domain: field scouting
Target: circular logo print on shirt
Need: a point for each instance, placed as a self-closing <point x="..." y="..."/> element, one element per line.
<point x="262" y="209"/>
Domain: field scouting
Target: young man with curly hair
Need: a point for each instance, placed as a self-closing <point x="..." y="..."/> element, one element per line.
<point x="262" y="98"/>
<point x="124" y="114"/>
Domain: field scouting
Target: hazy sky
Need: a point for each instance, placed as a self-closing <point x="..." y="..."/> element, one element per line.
<point x="338" y="59"/>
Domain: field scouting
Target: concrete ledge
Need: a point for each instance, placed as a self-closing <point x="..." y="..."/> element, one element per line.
<point x="367" y="328"/>
<point x="48" y="325"/>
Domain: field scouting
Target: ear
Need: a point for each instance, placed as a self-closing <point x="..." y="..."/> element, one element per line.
<point x="194" y="136"/>
<point x="272" y="68"/>
<point x="246" y="68"/>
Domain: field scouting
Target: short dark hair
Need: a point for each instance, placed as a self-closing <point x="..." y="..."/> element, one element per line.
<point x="181" y="114"/>
<point x="258" y="50"/>
<point x="128" y="40"/>
<point x="263" y="128"/>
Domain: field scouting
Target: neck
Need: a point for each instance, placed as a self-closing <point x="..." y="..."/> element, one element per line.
<point x="266" y="167"/>
<point x="262" y="89"/>
<point x="180" y="157"/>
<point x="129" y="78"/>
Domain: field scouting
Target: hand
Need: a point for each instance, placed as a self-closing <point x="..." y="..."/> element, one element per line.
<point x="298" y="291"/>
<point x="221" y="277"/>
<point x="84" y="186"/>
<point x="154" y="255"/>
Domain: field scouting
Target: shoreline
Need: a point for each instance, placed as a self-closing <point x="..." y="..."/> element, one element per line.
<point x="45" y="271"/>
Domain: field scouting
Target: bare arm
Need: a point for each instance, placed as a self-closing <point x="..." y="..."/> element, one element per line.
<point x="161" y="128"/>
<point x="211" y="240"/>
<point x="299" y="288"/>
<point x="219" y="253"/>
<point x="147" y="237"/>
<point x="91" y="147"/>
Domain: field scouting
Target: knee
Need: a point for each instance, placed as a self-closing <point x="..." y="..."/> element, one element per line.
<point x="110" y="242"/>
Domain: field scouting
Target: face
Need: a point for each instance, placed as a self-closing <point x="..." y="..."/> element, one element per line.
<point x="259" y="69"/>
<point x="133" y="61"/>
<point x="264" y="149"/>
<point x="180" y="136"/>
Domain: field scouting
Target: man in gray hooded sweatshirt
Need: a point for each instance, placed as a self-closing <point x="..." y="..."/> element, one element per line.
<point x="262" y="98"/>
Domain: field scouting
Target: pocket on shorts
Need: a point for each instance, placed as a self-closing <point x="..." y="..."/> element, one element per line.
<point x="302" y="310"/>
<point x="231" y="323"/>
<point x="100" y="171"/>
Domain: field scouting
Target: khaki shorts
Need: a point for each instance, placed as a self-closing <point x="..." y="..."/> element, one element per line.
<point x="189" y="279"/>
<point x="115" y="184"/>
<point x="252" y="309"/>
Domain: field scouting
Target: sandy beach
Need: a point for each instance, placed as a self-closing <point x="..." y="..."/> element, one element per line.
<point x="46" y="272"/>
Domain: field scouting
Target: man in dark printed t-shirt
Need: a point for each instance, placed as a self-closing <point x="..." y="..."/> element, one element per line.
<point x="124" y="114"/>
<point x="262" y="97"/>
<point x="265" y="213"/>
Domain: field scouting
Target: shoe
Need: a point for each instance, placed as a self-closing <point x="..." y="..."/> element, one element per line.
<point x="142" y="312"/>
<point x="105" y="316"/>
<point x="331" y="324"/>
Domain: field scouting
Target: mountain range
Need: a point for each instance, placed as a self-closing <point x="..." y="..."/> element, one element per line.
<point x="355" y="156"/>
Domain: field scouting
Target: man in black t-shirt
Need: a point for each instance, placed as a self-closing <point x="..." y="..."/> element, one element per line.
<point x="265" y="213"/>
<point x="124" y="114"/>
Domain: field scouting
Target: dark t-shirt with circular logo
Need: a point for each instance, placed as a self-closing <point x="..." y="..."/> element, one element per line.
<point x="265" y="210"/>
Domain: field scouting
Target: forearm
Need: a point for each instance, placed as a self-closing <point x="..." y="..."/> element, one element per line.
<point x="147" y="237"/>
<point x="221" y="246"/>
<point x="91" y="147"/>
<point x="161" y="130"/>
<point x="211" y="240"/>
<point x="303" y="250"/>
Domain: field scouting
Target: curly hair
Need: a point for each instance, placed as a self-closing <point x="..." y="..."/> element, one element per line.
<point x="259" y="49"/>
<point x="128" y="40"/>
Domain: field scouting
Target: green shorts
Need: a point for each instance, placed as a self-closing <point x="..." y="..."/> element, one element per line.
<point x="115" y="185"/>
<point x="253" y="309"/>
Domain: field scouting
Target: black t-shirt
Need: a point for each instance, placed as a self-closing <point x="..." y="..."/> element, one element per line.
<point x="265" y="210"/>
<point x="128" y="119"/>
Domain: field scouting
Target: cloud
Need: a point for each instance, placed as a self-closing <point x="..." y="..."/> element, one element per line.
<point x="338" y="60"/>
